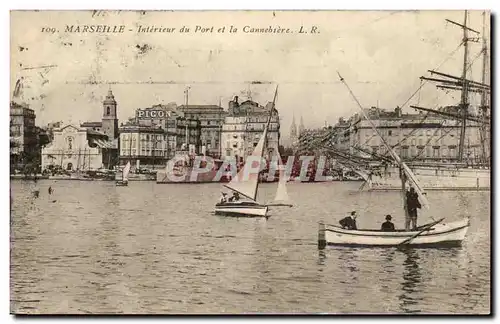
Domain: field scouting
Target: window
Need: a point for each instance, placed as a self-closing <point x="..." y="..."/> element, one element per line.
<point x="436" y="152"/>
<point x="108" y="111"/>
<point x="389" y="132"/>
<point x="404" y="152"/>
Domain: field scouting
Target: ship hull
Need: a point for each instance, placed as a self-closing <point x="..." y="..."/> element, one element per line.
<point x="436" y="179"/>
<point x="241" y="209"/>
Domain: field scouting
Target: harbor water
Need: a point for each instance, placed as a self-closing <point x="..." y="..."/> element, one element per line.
<point x="92" y="247"/>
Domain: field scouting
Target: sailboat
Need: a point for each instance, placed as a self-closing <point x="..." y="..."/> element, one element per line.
<point x="125" y="172"/>
<point x="247" y="184"/>
<point x="435" y="233"/>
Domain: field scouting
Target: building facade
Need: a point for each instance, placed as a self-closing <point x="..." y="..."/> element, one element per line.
<point x="151" y="142"/>
<point x="23" y="134"/>
<point x="146" y="146"/>
<point x="243" y="128"/>
<point x="73" y="148"/>
<point x="211" y="119"/>
<point x="415" y="137"/>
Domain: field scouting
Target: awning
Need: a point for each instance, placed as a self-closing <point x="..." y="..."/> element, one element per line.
<point x="103" y="143"/>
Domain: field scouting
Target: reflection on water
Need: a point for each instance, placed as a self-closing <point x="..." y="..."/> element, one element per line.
<point x="410" y="285"/>
<point x="156" y="249"/>
<point x="321" y="257"/>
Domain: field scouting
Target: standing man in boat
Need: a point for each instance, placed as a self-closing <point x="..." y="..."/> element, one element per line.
<point x="349" y="222"/>
<point x="413" y="204"/>
<point x="388" y="226"/>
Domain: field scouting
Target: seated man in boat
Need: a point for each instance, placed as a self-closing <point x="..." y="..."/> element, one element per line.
<point x="349" y="222"/>
<point x="388" y="226"/>
<point x="223" y="198"/>
<point x="412" y="203"/>
<point x="235" y="197"/>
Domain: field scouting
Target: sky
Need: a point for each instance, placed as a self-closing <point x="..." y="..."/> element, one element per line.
<point x="380" y="54"/>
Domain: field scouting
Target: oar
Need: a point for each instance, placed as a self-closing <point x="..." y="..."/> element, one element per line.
<point x="425" y="228"/>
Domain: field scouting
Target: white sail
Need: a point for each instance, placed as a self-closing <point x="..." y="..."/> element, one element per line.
<point x="281" y="192"/>
<point x="126" y="171"/>
<point x="246" y="181"/>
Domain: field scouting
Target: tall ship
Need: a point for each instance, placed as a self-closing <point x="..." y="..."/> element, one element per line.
<point x="470" y="168"/>
<point x="446" y="148"/>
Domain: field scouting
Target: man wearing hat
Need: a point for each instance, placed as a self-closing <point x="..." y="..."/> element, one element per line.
<point x="388" y="226"/>
<point x="223" y="198"/>
<point x="349" y="222"/>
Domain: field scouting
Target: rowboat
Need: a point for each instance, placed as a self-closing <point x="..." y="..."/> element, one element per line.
<point x="438" y="235"/>
<point x="432" y="234"/>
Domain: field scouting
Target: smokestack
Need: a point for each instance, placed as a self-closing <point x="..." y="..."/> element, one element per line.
<point x="236" y="100"/>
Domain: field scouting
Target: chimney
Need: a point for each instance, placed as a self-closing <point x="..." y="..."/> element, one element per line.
<point x="236" y="100"/>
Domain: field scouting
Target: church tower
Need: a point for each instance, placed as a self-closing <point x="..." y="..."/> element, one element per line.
<point x="301" y="126"/>
<point x="293" y="132"/>
<point x="109" y="117"/>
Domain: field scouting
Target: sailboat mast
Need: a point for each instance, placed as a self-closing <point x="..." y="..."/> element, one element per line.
<point x="266" y="129"/>
<point x="484" y="94"/>
<point x="402" y="176"/>
<point x="464" y="103"/>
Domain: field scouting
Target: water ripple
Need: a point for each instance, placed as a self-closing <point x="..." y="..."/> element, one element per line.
<point x="149" y="249"/>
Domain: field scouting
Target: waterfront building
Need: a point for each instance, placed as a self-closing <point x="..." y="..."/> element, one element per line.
<point x="145" y="146"/>
<point x="75" y="148"/>
<point x="415" y="136"/>
<point x="243" y="127"/>
<point x="151" y="141"/>
<point x="211" y="118"/>
<point x="23" y="134"/>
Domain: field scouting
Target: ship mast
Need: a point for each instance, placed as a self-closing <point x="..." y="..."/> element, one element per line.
<point x="484" y="93"/>
<point x="464" y="102"/>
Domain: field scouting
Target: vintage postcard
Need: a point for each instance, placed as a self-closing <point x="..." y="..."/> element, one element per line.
<point x="250" y="162"/>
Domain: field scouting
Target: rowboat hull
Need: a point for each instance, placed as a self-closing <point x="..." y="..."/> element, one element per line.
<point x="451" y="234"/>
<point x="121" y="183"/>
<point x="241" y="209"/>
